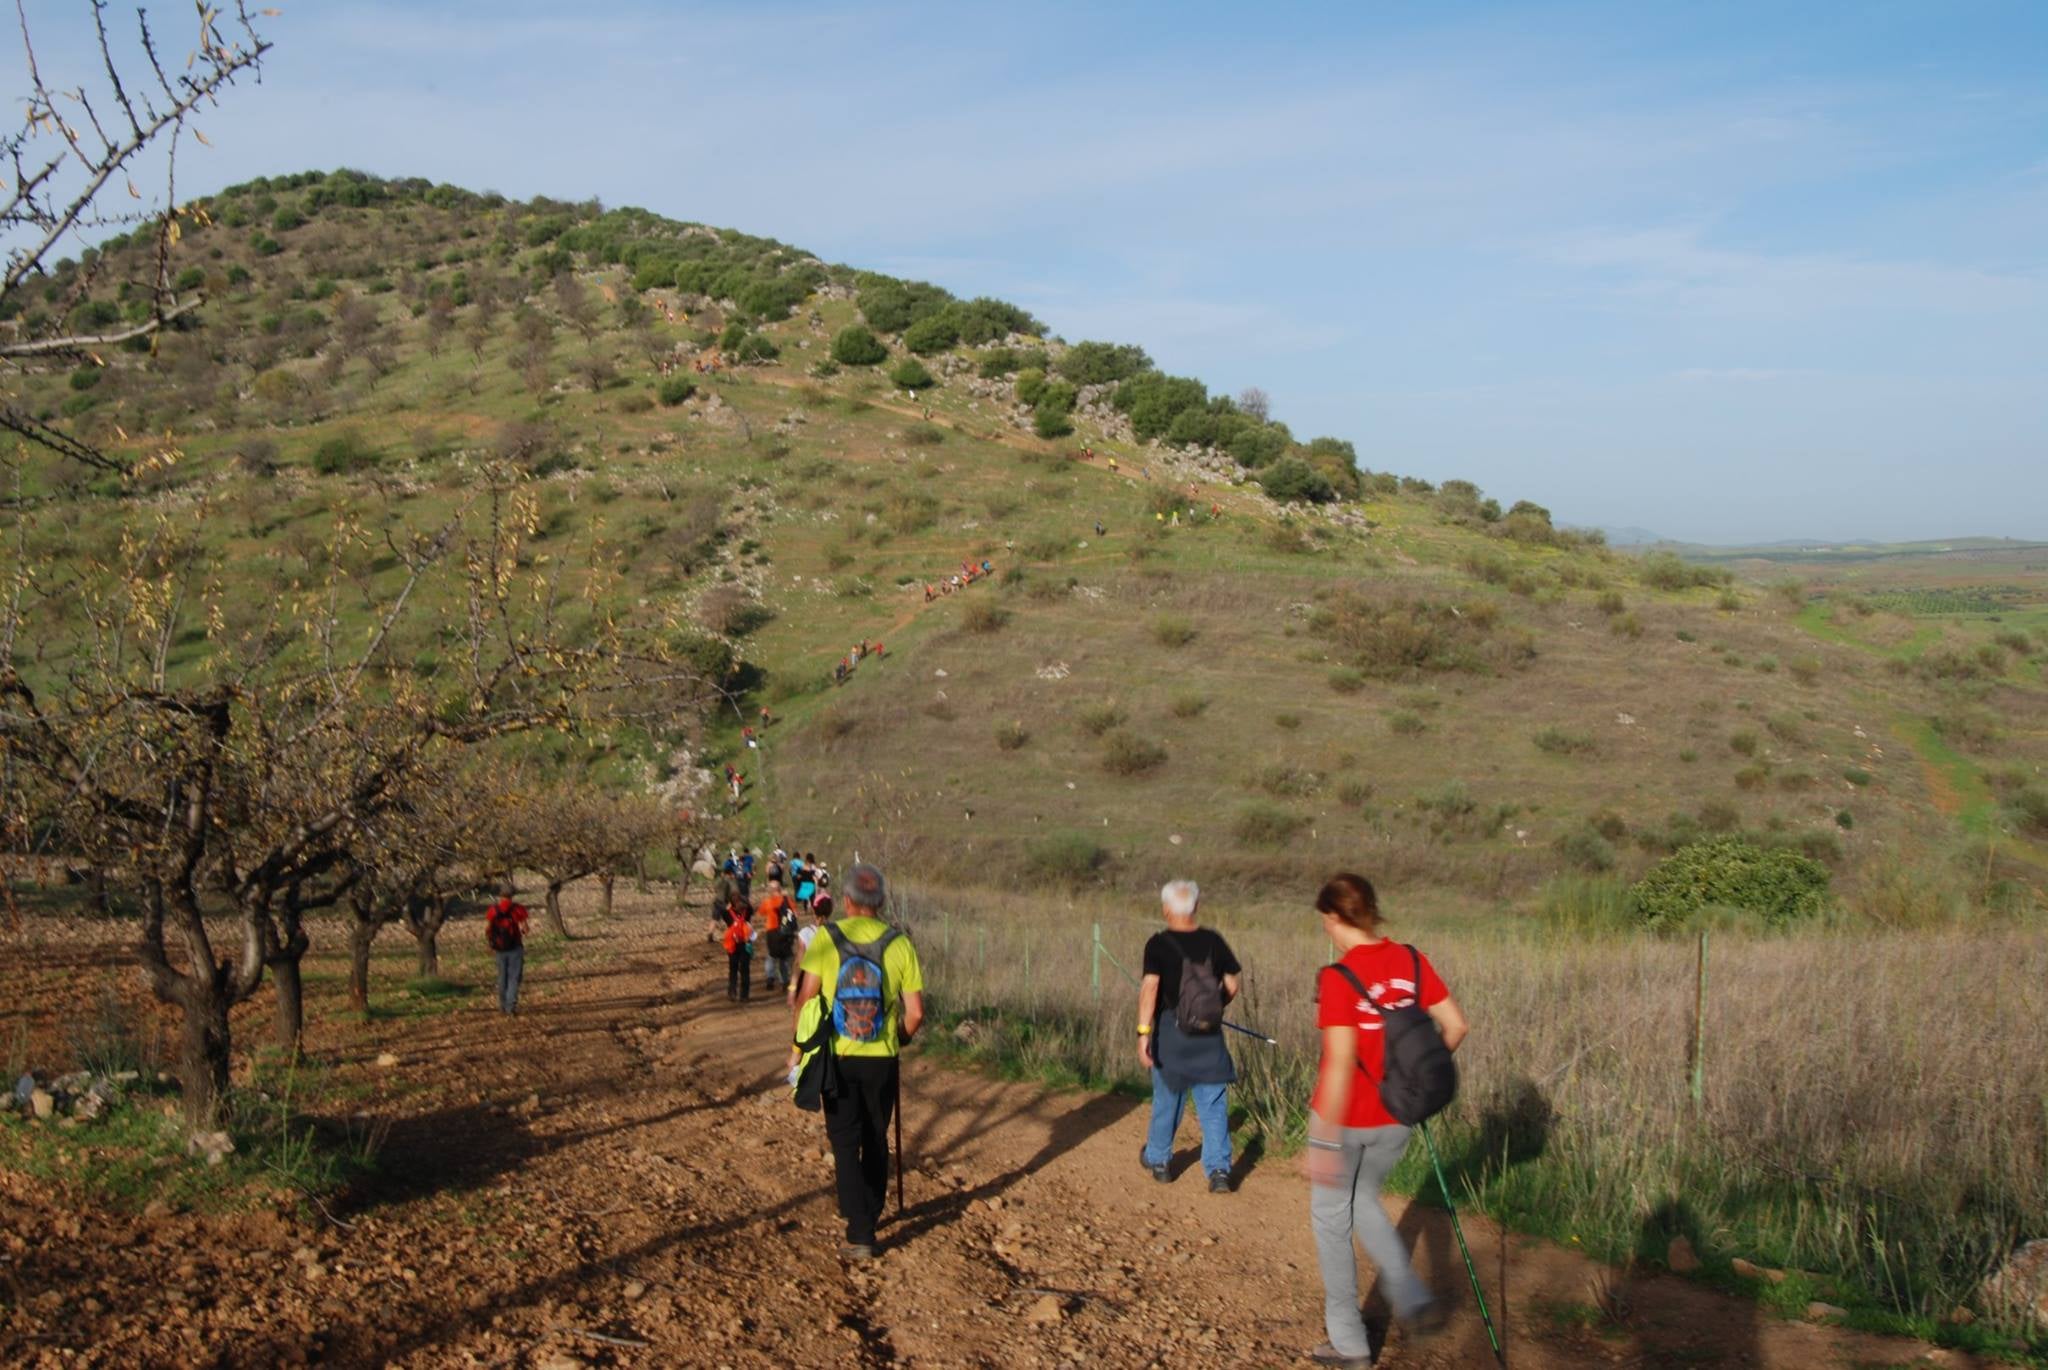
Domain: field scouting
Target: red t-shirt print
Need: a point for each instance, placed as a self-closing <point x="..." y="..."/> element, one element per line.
<point x="1388" y="972"/>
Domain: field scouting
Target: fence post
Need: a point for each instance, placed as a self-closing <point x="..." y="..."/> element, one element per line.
<point x="1095" y="961"/>
<point x="1699" y="1028"/>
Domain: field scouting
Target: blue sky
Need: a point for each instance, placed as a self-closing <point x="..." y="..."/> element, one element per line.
<point x="1729" y="271"/>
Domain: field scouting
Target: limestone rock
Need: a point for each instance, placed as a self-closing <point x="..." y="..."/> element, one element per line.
<point x="1824" y="1312"/>
<point x="1746" y="1270"/>
<point x="1046" y="1311"/>
<point x="42" y="1103"/>
<point x="2020" y="1286"/>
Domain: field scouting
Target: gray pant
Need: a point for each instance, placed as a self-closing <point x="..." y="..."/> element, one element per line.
<point x="1353" y="1206"/>
<point x="511" y="968"/>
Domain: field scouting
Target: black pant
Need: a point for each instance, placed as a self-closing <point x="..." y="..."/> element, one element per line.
<point x="739" y="975"/>
<point x="857" y="1125"/>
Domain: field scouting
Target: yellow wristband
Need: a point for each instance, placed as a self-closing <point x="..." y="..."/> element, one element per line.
<point x="1144" y="1029"/>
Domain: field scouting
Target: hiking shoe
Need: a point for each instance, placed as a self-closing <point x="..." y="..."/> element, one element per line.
<point x="1157" y="1172"/>
<point x="1425" y="1322"/>
<point x="856" y="1251"/>
<point x="1326" y="1354"/>
<point x="1219" y="1183"/>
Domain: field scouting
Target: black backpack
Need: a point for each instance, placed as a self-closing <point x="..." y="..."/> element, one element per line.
<point x="1420" y="1079"/>
<point x="1199" y="1006"/>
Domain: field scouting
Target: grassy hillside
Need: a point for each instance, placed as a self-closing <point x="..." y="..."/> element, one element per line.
<point x="1269" y="661"/>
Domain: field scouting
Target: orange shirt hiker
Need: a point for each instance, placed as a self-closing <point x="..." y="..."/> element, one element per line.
<point x="773" y="910"/>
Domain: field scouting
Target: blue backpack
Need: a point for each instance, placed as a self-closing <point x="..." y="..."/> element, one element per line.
<point x="860" y="996"/>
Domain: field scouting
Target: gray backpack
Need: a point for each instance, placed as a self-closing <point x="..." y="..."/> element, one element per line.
<point x="1199" y="1009"/>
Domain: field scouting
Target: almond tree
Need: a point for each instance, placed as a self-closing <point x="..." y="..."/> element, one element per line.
<point x="91" y="132"/>
<point x="569" y="831"/>
<point x="247" y="782"/>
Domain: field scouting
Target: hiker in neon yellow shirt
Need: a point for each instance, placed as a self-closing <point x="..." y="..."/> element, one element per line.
<point x="873" y="1024"/>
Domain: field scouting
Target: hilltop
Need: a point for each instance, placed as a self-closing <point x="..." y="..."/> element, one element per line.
<point x="1208" y="644"/>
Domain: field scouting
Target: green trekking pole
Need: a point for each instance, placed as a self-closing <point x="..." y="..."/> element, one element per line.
<point x="1444" y="1187"/>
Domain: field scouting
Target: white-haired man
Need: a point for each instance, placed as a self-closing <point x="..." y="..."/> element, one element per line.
<point x="1190" y="975"/>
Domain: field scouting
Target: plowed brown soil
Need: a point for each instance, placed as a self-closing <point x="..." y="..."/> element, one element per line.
<point x="616" y="1177"/>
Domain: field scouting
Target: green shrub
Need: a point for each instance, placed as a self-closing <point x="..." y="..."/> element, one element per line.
<point x="1125" y="753"/>
<point x="1564" y="742"/>
<point x="1049" y="421"/>
<point x="1288" y="782"/>
<point x="1743" y="743"/>
<point x="1288" y="721"/>
<point x="1029" y="386"/>
<point x="1172" y="631"/>
<point x="1753" y="776"/>
<point x="343" y="454"/>
<point x="1610" y="602"/>
<point x="856" y="345"/>
<point x="924" y="435"/>
<point x="1857" y="776"/>
<point x="1354" y="794"/>
<point x="1097" y="719"/>
<point x="999" y="362"/>
<point x="983" y="616"/>
<point x="1776" y="885"/>
<point x="1586" y="849"/>
<point x="1098" y="363"/>
<point x="756" y="347"/>
<point x="1188" y="704"/>
<point x="191" y="278"/>
<point x="1066" y="858"/>
<point x="2028" y="807"/>
<point x="1844" y="819"/>
<point x="1010" y="736"/>
<point x="931" y="335"/>
<point x="1266" y="825"/>
<point x="1345" y="681"/>
<point x="1718" y="815"/>
<point x="911" y="375"/>
<point x="1292" y="480"/>
<point x="1406" y="724"/>
<point x="286" y="219"/>
<point x="1664" y="571"/>
<point x="86" y="377"/>
<point x="1806" y="669"/>
<point x="676" y="389"/>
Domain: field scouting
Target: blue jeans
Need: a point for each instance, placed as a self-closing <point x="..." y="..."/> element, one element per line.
<point x="1212" y="1112"/>
<point x="511" y="969"/>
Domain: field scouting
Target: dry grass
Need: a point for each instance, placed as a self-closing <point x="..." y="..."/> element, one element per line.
<point x="1857" y="1122"/>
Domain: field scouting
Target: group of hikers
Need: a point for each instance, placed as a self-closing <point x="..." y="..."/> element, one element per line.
<point x="1386" y="1021"/>
<point x="850" y="663"/>
<point x="970" y="571"/>
<point x="797" y="886"/>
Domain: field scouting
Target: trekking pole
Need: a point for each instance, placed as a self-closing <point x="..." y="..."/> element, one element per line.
<point x="1463" y="1250"/>
<point x="1269" y="1041"/>
<point x="899" y="1134"/>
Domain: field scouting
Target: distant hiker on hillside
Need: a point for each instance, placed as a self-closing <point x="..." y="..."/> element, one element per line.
<point x="747" y="735"/>
<point x="505" y="934"/>
<point x="870" y="976"/>
<point x="738" y="942"/>
<point x="766" y="717"/>
<point x="1190" y="974"/>
<point x="1353" y="1141"/>
<point x="1100" y="531"/>
<point x="778" y="933"/>
<point x="804" y="870"/>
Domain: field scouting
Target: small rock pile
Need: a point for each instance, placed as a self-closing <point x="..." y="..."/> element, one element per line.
<point x="80" y="1096"/>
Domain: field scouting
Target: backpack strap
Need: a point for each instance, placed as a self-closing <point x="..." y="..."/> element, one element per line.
<point x="1415" y="959"/>
<point x="1365" y="997"/>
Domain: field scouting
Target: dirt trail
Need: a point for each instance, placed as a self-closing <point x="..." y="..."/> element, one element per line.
<point x="616" y="1177"/>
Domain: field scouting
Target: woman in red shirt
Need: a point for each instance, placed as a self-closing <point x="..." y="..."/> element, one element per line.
<point x="1353" y="1142"/>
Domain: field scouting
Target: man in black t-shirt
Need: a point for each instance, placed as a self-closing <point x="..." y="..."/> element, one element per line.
<point x="1187" y="1058"/>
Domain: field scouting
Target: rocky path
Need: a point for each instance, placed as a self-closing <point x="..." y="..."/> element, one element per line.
<point x="616" y="1178"/>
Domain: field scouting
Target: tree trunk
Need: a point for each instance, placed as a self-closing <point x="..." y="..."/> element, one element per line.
<point x="424" y="917"/>
<point x="291" y="1005"/>
<point x="640" y="873"/>
<point x="554" y="910"/>
<point x="360" y="934"/>
<point x="203" y="1050"/>
<point x="604" y="894"/>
